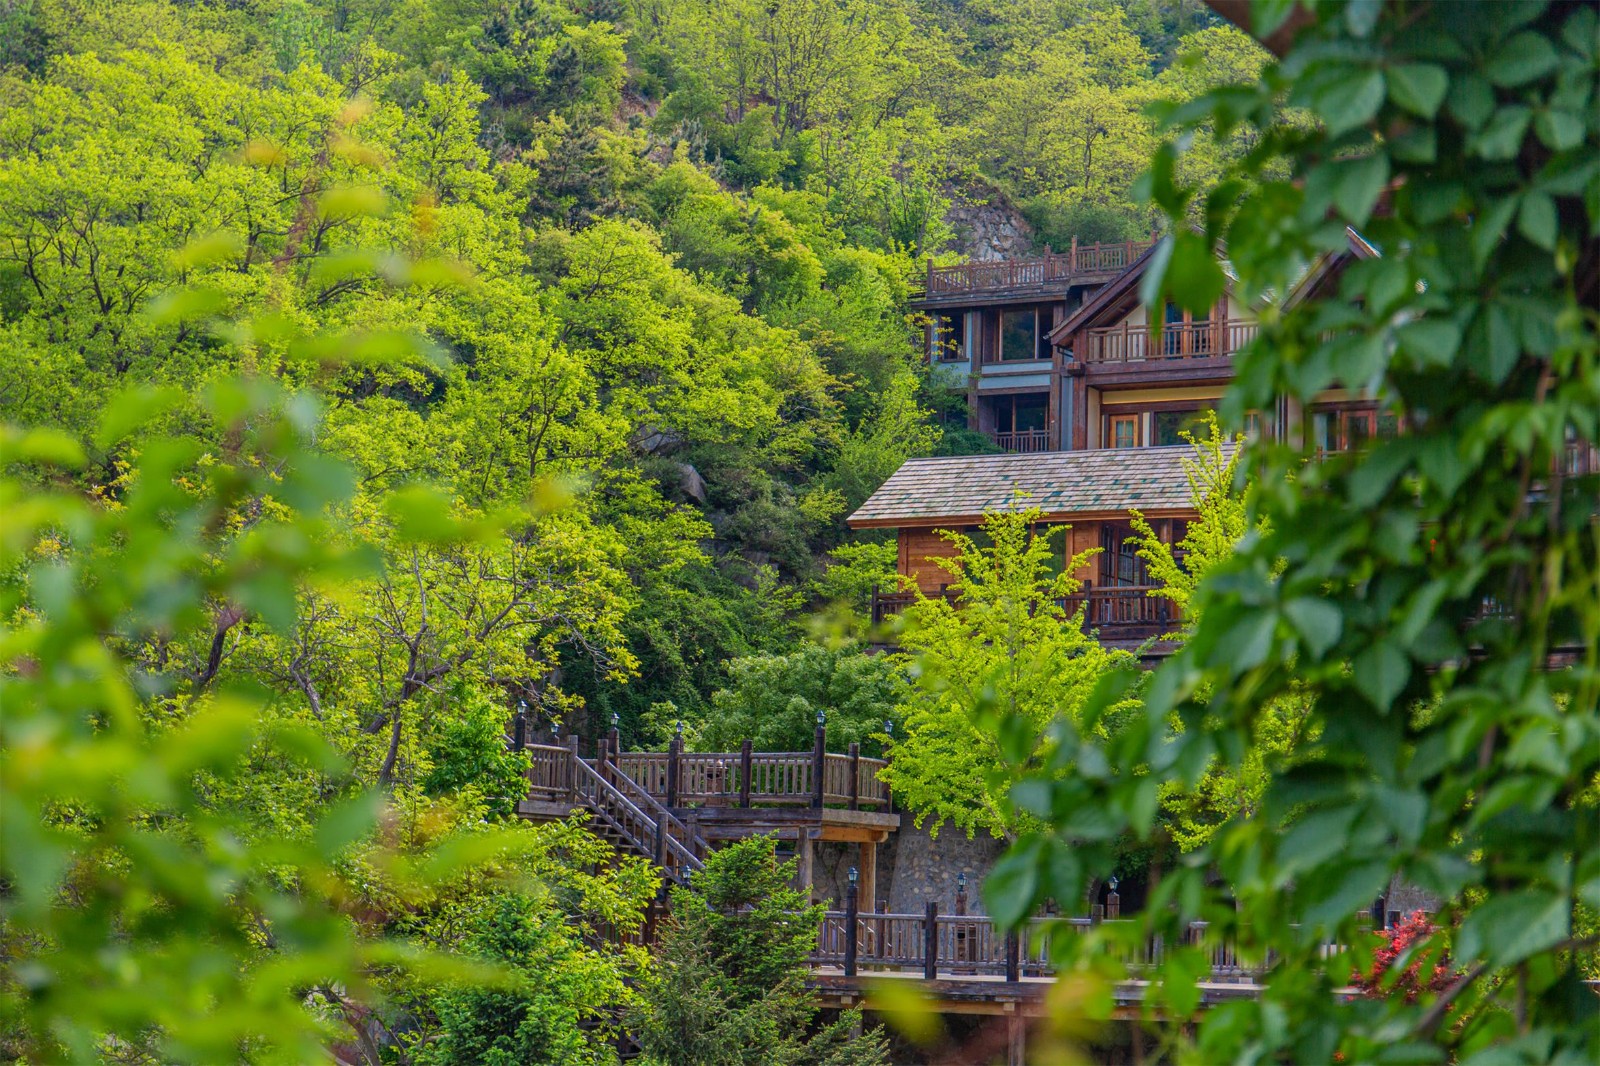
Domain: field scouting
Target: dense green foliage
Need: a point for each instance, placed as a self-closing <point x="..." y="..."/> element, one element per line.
<point x="381" y="365"/>
<point x="773" y="700"/>
<point x="728" y="984"/>
<point x="1003" y="669"/>
<point x="1442" y="745"/>
<point x="371" y="367"/>
<point x="1225" y="792"/>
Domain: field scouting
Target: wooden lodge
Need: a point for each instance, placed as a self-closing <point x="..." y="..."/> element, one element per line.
<point x="1087" y="493"/>
<point x="1088" y="392"/>
<point x="1059" y="353"/>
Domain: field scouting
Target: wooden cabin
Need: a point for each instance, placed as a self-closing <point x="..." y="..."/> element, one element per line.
<point x="1088" y="491"/>
<point x="1059" y="353"/>
<point x="989" y="326"/>
<point x="1137" y="377"/>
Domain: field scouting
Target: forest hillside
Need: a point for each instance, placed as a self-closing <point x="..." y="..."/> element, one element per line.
<point x="687" y="231"/>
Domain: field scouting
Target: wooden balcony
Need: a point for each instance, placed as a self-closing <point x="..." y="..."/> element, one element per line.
<point x="935" y="945"/>
<point x="1022" y="441"/>
<point x="1122" y="344"/>
<point x="1580" y="459"/>
<point x="1052" y="272"/>
<point x="1123" y="614"/>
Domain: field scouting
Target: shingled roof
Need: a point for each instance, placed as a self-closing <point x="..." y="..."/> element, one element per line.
<point x="963" y="488"/>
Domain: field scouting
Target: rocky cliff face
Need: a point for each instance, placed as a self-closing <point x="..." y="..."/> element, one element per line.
<point x="988" y="230"/>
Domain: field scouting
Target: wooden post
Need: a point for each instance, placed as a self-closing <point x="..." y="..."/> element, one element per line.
<point x="805" y="853"/>
<point x="692" y="824"/>
<point x="674" y="758"/>
<point x="1073" y="263"/>
<point x="572" y="768"/>
<point x="855" y="776"/>
<point x="819" y="752"/>
<point x="605" y="759"/>
<point x="851" y="933"/>
<point x="869" y="873"/>
<point x="744" y="773"/>
<point x="661" y="843"/>
<point x="1013" y="956"/>
<point x="1016" y="1039"/>
<point x="1113" y="905"/>
<point x="929" y="287"/>
<point x="930" y="942"/>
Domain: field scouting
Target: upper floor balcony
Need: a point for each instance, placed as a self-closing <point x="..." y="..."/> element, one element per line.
<point x="1135" y="343"/>
<point x="1021" y="441"/>
<point x="1050" y="273"/>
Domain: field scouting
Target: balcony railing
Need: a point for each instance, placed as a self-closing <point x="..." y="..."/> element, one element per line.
<point x="1022" y="440"/>
<point x="1122" y="613"/>
<point x="1183" y="340"/>
<point x="1079" y="259"/>
<point x="1580" y="459"/>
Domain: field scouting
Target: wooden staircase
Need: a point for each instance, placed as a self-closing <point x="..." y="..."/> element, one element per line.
<point x="658" y="804"/>
<point x="624" y="814"/>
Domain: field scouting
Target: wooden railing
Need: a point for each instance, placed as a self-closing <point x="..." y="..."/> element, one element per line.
<point x="1065" y="266"/>
<point x="950" y="945"/>
<point x="623" y="816"/>
<point x="662" y="783"/>
<point x="1182" y="340"/>
<point x="1022" y="440"/>
<point x="1119" y="612"/>
<point x="1123" y="612"/>
<point x="720" y="779"/>
<point x="1580" y="459"/>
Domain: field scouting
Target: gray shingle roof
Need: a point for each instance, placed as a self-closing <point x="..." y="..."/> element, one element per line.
<point x="1059" y="483"/>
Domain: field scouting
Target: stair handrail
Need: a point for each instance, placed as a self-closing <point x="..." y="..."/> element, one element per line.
<point x="693" y="842"/>
<point x="603" y="796"/>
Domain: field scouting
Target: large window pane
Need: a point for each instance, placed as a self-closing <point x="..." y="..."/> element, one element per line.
<point x="1030" y="411"/>
<point x="1169" y="425"/>
<point x="1017" y="335"/>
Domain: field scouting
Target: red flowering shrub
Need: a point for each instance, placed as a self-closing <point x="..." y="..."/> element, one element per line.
<point x="1398" y="940"/>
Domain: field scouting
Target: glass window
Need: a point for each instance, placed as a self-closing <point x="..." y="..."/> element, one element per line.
<point x="1168" y="426"/>
<point x="1341" y="430"/>
<point x="1260" y="426"/>
<point x="1325" y="431"/>
<point x="1018" y="334"/>
<point x="1029" y="412"/>
<point x="949" y="337"/>
<point x="1119" y="560"/>
<point x="1124" y="431"/>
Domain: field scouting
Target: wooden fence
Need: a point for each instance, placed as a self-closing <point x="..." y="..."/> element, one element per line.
<point x="664" y="780"/>
<point x="1119" y="612"/>
<point x="1181" y="340"/>
<point x="1022" y="441"/>
<point x="947" y="945"/>
<point x="1045" y="270"/>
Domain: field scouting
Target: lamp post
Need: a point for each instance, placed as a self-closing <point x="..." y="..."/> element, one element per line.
<point x="851" y="932"/>
<point x="818" y="758"/>
<point x="519" y="727"/>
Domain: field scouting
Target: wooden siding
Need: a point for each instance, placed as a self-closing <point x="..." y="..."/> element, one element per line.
<point x="918" y="550"/>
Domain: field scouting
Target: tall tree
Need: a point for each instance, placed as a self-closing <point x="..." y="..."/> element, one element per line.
<point x="1004" y="668"/>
